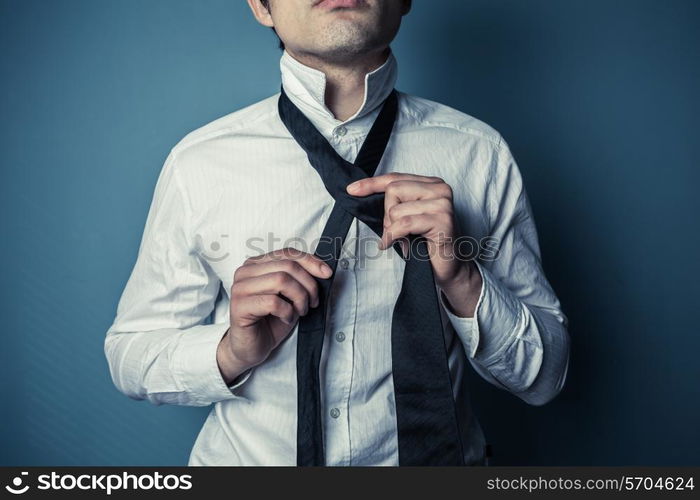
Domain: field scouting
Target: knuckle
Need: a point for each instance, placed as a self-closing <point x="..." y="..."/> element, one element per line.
<point x="268" y="301"/>
<point x="289" y="266"/>
<point x="253" y="259"/>
<point x="274" y="304"/>
<point x="392" y="188"/>
<point x="238" y="273"/>
<point x="445" y="204"/>
<point x="281" y="278"/>
<point x="235" y="307"/>
<point x="394" y="211"/>
<point x="447" y="190"/>
<point x="238" y="287"/>
<point x="273" y="256"/>
<point x="296" y="267"/>
<point x="238" y="322"/>
<point x="292" y="253"/>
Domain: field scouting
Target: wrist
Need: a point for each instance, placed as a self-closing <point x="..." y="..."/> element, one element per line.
<point x="230" y="366"/>
<point x="463" y="290"/>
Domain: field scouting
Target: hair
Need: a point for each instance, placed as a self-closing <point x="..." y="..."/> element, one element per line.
<point x="266" y="4"/>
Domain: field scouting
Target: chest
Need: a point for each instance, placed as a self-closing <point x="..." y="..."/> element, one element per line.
<point x="262" y="194"/>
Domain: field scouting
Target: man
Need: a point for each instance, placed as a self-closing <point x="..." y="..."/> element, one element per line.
<point x="236" y="197"/>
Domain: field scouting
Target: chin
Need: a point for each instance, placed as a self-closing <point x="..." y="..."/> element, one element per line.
<point x="344" y="52"/>
<point x="346" y="42"/>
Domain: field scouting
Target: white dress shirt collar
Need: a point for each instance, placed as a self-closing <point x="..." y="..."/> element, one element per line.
<point x="306" y="88"/>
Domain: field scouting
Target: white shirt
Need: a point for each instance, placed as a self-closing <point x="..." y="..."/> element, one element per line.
<point x="241" y="186"/>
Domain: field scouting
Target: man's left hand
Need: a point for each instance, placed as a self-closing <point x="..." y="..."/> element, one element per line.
<point x="421" y="205"/>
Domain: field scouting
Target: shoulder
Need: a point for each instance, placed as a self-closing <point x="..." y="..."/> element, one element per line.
<point x="482" y="158"/>
<point x="426" y="113"/>
<point x="238" y="122"/>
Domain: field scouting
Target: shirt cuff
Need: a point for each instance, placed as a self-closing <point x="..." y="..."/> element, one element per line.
<point x="494" y="325"/>
<point x="196" y="368"/>
<point x="240" y="380"/>
<point x="464" y="327"/>
<point x="498" y="316"/>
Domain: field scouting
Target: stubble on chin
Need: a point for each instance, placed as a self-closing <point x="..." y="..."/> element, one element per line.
<point x="344" y="42"/>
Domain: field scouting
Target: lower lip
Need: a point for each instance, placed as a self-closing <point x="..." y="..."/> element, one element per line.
<point x="340" y="4"/>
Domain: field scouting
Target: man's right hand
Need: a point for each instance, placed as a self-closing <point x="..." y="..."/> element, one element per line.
<point x="269" y="294"/>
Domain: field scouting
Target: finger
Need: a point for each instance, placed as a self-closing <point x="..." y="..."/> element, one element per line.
<point x="249" y="310"/>
<point x="434" y="206"/>
<point x="291" y="267"/>
<point x="378" y="184"/>
<point x="310" y="262"/>
<point x="277" y="282"/>
<point x="406" y="191"/>
<point x="411" y="224"/>
<point x="403" y="243"/>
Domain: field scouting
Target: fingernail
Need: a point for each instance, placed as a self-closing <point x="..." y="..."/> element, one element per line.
<point x="352" y="187"/>
<point x="325" y="270"/>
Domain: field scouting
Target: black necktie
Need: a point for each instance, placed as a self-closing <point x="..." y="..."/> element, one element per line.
<point x="426" y="417"/>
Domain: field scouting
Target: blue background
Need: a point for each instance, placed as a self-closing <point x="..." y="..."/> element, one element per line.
<point x="598" y="101"/>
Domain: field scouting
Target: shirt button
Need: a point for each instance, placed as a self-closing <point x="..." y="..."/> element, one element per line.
<point x="335" y="412"/>
<point x="340" y="131"/>
<point x="340" y="336"/>
<point x="344" y="263"/>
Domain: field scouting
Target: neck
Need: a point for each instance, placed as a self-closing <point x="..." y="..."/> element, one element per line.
<point x="345" y="82"/>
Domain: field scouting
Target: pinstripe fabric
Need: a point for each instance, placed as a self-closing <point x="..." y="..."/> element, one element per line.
<point x="240" y="186"/>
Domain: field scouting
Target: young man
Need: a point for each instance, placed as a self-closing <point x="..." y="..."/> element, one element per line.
<point x="351" y="353"/>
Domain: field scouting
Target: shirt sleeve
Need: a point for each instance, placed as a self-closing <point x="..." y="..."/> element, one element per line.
<point x="517" y="339"/>
<point x="160" y="346"/>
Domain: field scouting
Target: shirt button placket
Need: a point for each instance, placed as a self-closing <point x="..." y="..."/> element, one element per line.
<point x="342" y="367"/>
